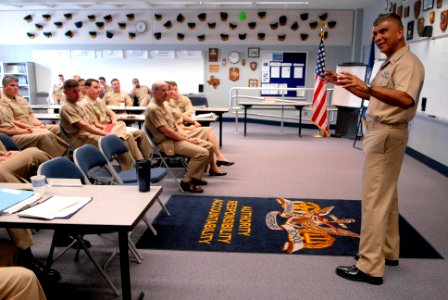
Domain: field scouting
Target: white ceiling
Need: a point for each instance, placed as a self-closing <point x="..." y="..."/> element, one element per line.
<point x="182" y="4"/>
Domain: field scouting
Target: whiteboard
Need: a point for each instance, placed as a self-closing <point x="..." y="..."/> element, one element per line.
<point x="342" y="97"/>
<point x="434" y="56"/>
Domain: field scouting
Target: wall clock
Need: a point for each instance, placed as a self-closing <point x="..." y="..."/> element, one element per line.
<point x="140" y="26"/>
<point x="234" y="57"/>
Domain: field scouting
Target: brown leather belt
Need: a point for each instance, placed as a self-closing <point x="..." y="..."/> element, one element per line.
<point x="371" y="125"/>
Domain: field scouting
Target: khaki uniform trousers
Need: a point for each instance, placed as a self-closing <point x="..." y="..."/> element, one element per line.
<point x="23" y="238"/>
<point x="24" y="164"/>
<point x="135" y="140"/>
<point x="18" y="283"/>
<point x="199" y="157"/>
<point x="84" y="137"/>
<point x="44" y="140"/>
<point x="384" y="147"/>
<point x="8" y="254"/>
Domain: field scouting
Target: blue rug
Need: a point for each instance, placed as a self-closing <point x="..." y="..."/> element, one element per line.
<point x="269" y="225"/>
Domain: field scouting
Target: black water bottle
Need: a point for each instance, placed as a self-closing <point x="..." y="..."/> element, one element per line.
<point x="144" y="175"/>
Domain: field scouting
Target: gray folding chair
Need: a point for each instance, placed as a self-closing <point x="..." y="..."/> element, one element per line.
<point x="159" y="155"/>
<point x="62" y="167"/>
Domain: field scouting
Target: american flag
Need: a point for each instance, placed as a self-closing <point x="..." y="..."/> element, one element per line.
<point x="319" y="108"/>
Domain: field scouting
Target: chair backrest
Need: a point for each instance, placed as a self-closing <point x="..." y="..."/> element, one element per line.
<point x="198" y="100"/>
<point x="9" y="143"/>
<point x="92" y="163"/>
<point x="111" y="146"/>
<point x="61" y="167"/>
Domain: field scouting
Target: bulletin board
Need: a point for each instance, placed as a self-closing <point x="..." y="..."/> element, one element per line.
<point x="283" y="70"/>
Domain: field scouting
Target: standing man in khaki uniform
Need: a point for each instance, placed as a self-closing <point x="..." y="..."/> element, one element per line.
<point x="56" y="92"/>
<point x="141" y="92"/>
<point x="117" y="97"/>
<point x="78" y="124"/>
<point x="172" y="140"/>
<point x="393" y="95"/>
<point x="24" y="135"/>
<point x="135" y="139"/>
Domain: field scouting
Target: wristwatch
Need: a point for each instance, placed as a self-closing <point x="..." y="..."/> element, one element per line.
<point x="369" y="88"/>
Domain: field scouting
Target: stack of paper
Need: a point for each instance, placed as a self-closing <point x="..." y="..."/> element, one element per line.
<point x="204" y="116"/>
<point x="56" y="207"/>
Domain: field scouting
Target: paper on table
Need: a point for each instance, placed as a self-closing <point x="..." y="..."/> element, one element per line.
<point x="204" y="116"/>
<point x="56" y="207"/>
<point x="64" y="182"/>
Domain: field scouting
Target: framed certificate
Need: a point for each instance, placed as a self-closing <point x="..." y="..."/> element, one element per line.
<point x="428" y="4"/>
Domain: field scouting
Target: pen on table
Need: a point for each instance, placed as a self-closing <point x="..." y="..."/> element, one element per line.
<point x="40" y="201"/>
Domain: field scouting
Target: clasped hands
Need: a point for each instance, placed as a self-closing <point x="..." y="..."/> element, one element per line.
<point x="344" y="80"/>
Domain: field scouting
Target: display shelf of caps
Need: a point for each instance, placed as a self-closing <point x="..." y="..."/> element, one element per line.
<point x="232" y="26"/>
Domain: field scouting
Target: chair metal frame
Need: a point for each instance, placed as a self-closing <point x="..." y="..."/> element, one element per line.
<point x="104" y="162"/>
<point x="156" y="153"/>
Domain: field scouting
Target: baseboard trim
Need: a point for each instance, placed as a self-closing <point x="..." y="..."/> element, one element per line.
<point x="428" y="161"/>
<point x="274" y="123"/>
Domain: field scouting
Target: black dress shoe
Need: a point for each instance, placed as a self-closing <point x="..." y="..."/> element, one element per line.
<point x="44" y="275"/>
<point x="387" y="262"/>
<point x="198" y="181"/>
<point x="189" y="187"/>
<point x="353" y="273"/>
<point x="224" y="163"/>
<point x="213" y="173"/>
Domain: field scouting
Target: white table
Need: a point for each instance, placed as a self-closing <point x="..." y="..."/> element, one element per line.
<point x="113" y="208"/>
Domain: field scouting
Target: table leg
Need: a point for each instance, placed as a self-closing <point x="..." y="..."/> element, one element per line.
<point x="300" y="121"/>
<point x="124" y="265"/>
<point x="220" y="130"/>
<point x="245" y="119"/>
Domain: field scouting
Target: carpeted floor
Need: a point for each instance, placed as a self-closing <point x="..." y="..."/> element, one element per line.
<point x="273" y="164"/>
<point x="269" y="225"/>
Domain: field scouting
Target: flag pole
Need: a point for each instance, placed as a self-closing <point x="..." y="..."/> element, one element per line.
<point x="319" y="106"/>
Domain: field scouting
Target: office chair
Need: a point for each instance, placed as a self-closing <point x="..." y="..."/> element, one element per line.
<point x="9" y="143"/>
<point x="198" y="100"/>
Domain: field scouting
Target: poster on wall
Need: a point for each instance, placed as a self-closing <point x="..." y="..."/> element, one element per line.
<point x="283" y="70"/>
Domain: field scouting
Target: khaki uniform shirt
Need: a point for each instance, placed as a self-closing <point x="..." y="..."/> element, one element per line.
<point x="117" y="99"/>
<point x="184" y="104"/>
<point x="20" y="108"/>
<point x="72" y="113"/>
<point x="156" y="117"/>
<point x="6" y="117"/>
<point x="171" y="106"/>
<point x="97" y="109"/>
<point x="403" y="72"/>
<point x="105" y="90"/>
<point x="56" y="93"/>
<point x="141" y="93"/>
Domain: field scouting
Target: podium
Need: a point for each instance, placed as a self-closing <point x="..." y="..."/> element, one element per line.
<point x="346" y="122"/>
